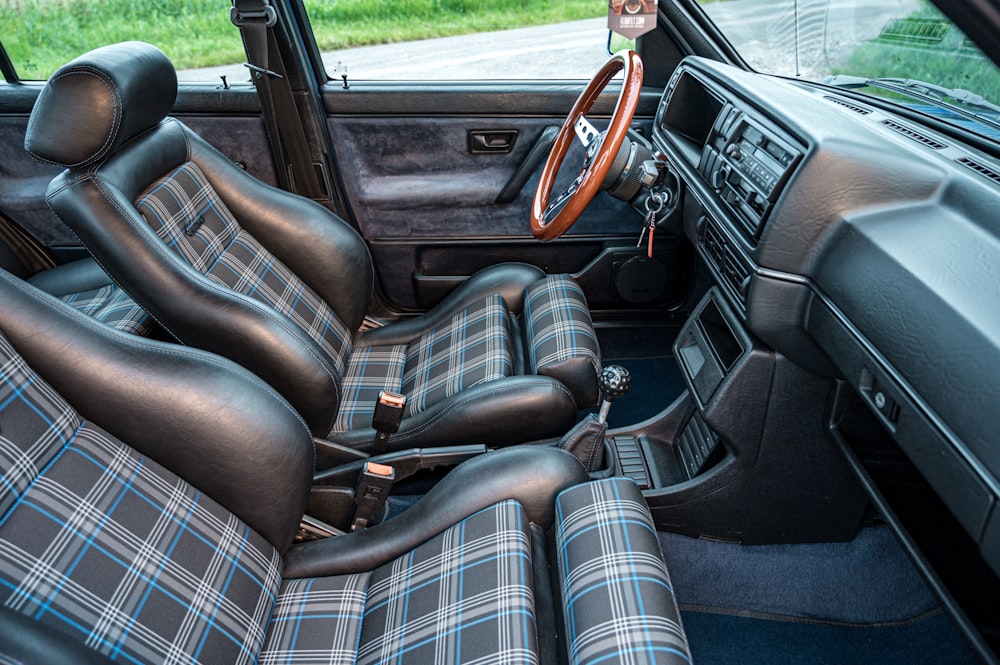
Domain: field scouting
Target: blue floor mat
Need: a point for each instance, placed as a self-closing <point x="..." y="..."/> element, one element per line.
<point x="719" y="639"/>
<point x="868" y="580"/>
<point x="855" y="602"/>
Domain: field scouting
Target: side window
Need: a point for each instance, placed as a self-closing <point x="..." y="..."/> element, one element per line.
<point x="441" y="40"/>
<point x="39" y="36"/>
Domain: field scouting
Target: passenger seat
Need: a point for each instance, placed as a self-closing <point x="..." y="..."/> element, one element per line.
<point x="150" y="496"/>
<point x="81" y="283"/>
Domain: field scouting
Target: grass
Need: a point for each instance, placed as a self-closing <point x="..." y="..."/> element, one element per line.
<point x="41" y="35"/>
<point x="344" y="23"/>
<point x="947" y="60"/>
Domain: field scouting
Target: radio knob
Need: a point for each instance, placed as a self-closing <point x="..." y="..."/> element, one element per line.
<point x="734" y="152"/>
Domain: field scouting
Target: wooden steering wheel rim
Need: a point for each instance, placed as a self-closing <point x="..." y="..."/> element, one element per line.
<point x="628" y="99"/>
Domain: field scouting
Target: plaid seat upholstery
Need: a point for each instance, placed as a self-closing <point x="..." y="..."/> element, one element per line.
<point x="370" y="370"/>
<point x="187" y="214"/>
<point x="470" y="349"/>
<point x="465" y="596"/>
<point x="558" y="328"/>
<point x="473" y="348"/>
<point x="317" y="620"/>
<point x="118" y="553"/>
<point x="111" y="548"/>
<point x="112" y="306"/>
<point x="615" y="587"/>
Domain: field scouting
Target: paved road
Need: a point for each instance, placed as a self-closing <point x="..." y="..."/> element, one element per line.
<point x="549" y="51"/>
<point x="560" y="51"/>
<point x="801" y="39"/>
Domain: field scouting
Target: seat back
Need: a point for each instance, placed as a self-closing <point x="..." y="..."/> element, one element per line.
<point x="150" y="494"/>
<point x="80" y="283"/>
<point x="105" y="542"/>
<point x="224" y="262"/>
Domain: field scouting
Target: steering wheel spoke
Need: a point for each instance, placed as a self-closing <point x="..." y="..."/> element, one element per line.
<point x="585" y="131"/>
<point x="549" y="220"/>
<point x="556" y="204"/>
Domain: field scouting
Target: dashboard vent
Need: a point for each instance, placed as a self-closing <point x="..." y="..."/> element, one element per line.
<point x="848" y="105"/>
<point x="980" y="168"/>
<point x="732" y="269"/>
<point x="914" y="135"/>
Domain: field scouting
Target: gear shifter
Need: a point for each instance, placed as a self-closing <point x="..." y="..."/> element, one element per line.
<point x="586" y="440"/>
<point x="614" y="382"/>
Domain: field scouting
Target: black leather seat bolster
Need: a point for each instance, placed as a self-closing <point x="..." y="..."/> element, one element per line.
<point x="299" y="232"/>
<point x="74" y="277"/>
<point x="11" y="263"/>
<point x="530" y="475"/>
<point x="578" y="375"/>
<point x="26" y="641"/>
<point x="206" y="419"/>
<point x="508" y="279"/>
<point x="243" y="329"/>
<point x="540" y="406"/>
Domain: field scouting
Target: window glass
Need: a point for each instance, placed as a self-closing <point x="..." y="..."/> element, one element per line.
<point x="42" y="35"/>
<point x="903" y="50"/>
<point x="460" y="39"/>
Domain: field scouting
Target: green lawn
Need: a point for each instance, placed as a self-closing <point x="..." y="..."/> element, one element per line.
<point x="924" y="47"/>
<point x="344" y="23"/>
<point x="41" y="35"/>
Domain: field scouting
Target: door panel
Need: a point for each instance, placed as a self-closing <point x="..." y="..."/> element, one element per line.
<point x="23" y="179"/>
<point x="426" y="199"/>
<point x="417" y="178"/>
<point x="227" y="118"/>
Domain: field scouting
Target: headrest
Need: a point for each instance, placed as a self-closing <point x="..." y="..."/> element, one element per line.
<point x="93" y="105"/>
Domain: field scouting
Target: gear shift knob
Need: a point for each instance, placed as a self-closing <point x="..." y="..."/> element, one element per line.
<point x="614" y="382"/>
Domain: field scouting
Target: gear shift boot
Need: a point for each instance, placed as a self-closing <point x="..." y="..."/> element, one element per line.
<point x="586" y="442"/>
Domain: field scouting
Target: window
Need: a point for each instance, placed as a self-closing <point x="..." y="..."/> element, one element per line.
<point x="439" y="40"/>
<point x="39" y="36"/>
<point x="908" y="52"/>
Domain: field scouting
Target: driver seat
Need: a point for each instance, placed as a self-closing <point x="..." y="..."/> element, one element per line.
<point x="281" y="285"/>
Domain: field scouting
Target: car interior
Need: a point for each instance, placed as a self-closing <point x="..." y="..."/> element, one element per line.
<point x="688" y="363"/>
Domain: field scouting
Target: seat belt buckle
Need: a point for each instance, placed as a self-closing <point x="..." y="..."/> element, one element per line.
<point x="371" y="492"/>
<point x="387" y="417"/>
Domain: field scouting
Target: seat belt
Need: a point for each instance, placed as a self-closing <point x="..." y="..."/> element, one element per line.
<point x="33" y="255"/>
<point x="257" y="20"/>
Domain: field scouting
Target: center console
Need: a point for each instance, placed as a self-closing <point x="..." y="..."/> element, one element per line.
<point x="723" y="461"/>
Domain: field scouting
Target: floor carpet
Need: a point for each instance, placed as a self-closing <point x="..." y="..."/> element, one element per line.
<point x="856" y="602"/>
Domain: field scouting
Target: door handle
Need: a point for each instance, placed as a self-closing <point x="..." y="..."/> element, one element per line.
<point x="492" y="141"/>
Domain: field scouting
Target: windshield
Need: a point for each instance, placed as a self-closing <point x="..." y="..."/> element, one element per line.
<point x="858" y="44"/>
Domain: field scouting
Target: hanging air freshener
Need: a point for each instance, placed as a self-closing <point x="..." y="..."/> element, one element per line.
<point x="631" y="18"/>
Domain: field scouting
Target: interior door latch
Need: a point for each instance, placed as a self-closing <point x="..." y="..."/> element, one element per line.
<point x="491" y="140"/>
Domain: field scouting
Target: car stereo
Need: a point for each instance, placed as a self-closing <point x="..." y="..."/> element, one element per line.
<point x="746" y="164"/>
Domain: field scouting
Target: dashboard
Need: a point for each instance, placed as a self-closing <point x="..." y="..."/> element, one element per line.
<point x="864" y="246"/>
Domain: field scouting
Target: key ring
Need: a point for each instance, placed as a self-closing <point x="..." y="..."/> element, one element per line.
<point x="655" y="203"/>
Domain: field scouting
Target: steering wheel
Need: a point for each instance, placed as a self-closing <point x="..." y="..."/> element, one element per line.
<point x="551" y="220"/>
